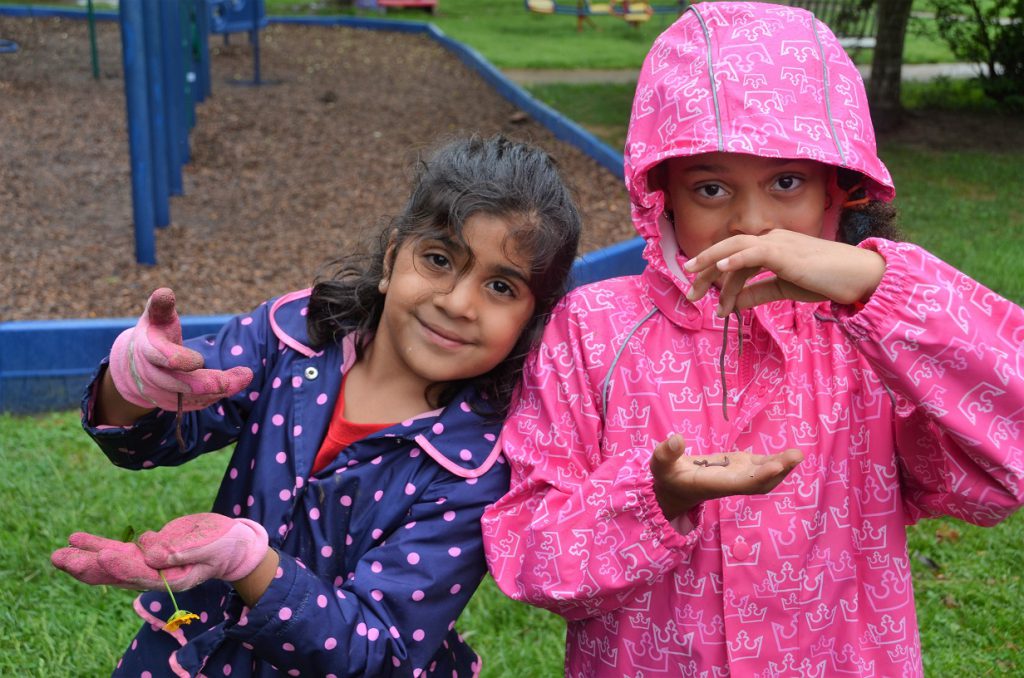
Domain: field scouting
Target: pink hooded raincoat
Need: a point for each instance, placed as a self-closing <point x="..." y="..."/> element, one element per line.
<point x="912" y="406"/>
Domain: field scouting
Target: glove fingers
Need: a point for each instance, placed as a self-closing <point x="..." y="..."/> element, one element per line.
<point x="81" y="565"/>
<point x="128" y="570"/>
<point x="160" y="309"/>
<point x="91" y="542"/>
<point x="222" y="383"/>
<point x="159" y="380"/>
<point x="156" y="347"/>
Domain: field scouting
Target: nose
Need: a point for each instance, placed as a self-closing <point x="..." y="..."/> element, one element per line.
<point x="460" y="301"/>
<point x="752" y="215"/>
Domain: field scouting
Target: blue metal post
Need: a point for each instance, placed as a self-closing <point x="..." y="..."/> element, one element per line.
<point x="172" y="88"/>
<point x="188" y="69"/>
<point x="204" y="82"/>
<point x="157" y="112"/>
<point x="135" y="90"/>
<point x="254" y="37"/>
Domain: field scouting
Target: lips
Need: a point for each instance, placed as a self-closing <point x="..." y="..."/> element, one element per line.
<point x="442" y="337"/>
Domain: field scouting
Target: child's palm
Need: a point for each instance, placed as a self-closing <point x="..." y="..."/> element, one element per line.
<point x="682" y="481"/>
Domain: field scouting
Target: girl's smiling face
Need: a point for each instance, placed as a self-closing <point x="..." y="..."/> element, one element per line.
<point x="454" y="311"/>
<point x="714" y="196"/>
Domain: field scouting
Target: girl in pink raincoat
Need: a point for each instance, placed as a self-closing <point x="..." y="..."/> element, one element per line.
<point x="866" y="383"/>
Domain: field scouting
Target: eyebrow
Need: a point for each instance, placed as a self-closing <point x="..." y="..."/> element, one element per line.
<point x="711" y="167"/>
<point x="512" y="272"/>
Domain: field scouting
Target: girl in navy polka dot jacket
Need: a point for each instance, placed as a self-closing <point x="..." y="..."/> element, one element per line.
<point x="345" y="537"/>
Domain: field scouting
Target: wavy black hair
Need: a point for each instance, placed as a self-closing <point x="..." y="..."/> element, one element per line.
<point x="496" y="176"/>
<point x="873" y="219"/>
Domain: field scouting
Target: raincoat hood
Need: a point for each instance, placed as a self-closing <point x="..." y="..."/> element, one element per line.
<point x="743" y="77"/>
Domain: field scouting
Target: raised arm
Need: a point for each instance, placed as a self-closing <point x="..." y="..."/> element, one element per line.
<point x="952" y="354"/>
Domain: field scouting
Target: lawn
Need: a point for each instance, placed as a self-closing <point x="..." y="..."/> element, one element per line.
<point x="969" y="592"/>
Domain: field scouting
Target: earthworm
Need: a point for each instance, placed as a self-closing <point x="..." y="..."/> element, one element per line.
<point x="177" y="424"/>
<point x="705" y="462"/>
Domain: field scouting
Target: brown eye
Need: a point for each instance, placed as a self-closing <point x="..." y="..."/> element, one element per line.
<point x="503" y="288"/>
<point x="437" y="260"/>
<point x="788" y="182"/>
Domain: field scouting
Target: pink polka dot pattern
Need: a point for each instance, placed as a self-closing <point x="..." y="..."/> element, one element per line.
<point x="355" y="542"/>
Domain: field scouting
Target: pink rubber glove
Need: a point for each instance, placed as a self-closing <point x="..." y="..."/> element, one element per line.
<point x="150" y="367"/>
<point x="97" y="560"/>
<point x="202" y="546"/>
<point x="188" y="551"/>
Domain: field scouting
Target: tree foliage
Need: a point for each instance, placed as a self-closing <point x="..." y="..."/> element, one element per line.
<point x="990" y="33"/>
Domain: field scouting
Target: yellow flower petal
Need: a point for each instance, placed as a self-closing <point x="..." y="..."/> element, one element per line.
<point x="178" y="619"/>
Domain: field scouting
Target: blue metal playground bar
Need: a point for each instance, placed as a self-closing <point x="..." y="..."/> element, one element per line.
<point x="44" y="365"/>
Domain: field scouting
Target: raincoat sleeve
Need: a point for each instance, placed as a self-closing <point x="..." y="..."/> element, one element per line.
<point x="245" y="340"/>
<point x="397" y="606"/>
<point x="580" y="529"/>
<point x="951" y="352"/>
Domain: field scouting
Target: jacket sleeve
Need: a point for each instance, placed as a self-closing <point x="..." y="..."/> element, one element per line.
<point x="245" y="340"/>
<point x="580" y="529"/>
<point x="397" y="607"/>
<point x="951" y="352"/>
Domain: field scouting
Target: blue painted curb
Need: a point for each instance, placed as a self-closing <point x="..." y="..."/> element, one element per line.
<point x="45" y="364"/>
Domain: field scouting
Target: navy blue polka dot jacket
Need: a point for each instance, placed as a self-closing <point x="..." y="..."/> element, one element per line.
<point x="380" y="551"/>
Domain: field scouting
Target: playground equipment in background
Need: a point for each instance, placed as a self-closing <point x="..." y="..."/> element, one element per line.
<point x="240" y="16"/>
<point x="383" y="5"/>
<point x="166" y="57"/>
<point x="166" y="73"/>
<point x="631" y="11"/>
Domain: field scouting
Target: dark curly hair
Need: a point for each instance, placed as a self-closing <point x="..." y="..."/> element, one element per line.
<point x="873" y="219"/>
<point x="495" y="176"/>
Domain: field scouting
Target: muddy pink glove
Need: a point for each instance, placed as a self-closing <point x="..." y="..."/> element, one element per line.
<point x="188" y="551"/>
<point x="150" y="367"/>
<point x="202" y="546"/>
<point x="124" y="564"/>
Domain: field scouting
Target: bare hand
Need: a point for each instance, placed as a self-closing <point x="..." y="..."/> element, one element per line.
<point x="682" y="481"/>
<point x="806" y="268"/>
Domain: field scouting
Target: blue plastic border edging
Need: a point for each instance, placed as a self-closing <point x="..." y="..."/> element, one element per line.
<point x="45" y="364"/>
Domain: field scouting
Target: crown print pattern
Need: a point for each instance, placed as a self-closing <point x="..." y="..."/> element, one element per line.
<point x="910" y="407"/>
<point x="811" y="579"/>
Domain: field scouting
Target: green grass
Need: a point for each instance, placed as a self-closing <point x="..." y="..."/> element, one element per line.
<point x="56" y="481"/>
<point x="511" y="37"/>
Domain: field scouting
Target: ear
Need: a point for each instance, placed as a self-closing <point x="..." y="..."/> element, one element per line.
<point x="388" y="264"/>
<point x="657" y="179"/>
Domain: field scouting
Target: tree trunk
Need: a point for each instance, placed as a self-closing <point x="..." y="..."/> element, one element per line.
<point x="887" y="64"/>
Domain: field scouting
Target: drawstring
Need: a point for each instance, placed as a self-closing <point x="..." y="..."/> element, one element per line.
<point x="721" y="357"/>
